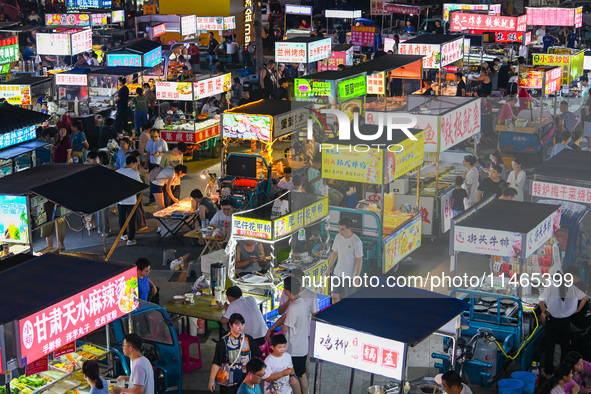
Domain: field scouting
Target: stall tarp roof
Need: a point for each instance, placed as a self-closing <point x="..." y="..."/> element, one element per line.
<point x="118" y="70"/>
<point x="512" y="216"/>
<point x="12" y="27"/>
<point x="141" y="46"/>
<point x="23" y="182"/>
<point x="14" y="118"/>
<point x="397" y="136"/>
<point x="341" y="47"/>
<point x="85" y="70"/>
<point x="29" y="81"/>
<point x="26" y="287"/>
<point x="18" y="150"/>
<point x="305" y="39"/>
<point x="434" y="39"/>
<point x="96" y="182"/>
<point x="387" y="63"/>
<point x="567" y="164"/>
<point x="266" y="107"/>
<point x="389" y="312"/>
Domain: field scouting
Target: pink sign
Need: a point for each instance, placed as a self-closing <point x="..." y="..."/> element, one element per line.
<point x="332" y="63"/>
<point x="69" y="348"/>
<point x="78" y="315"/>
<point x="554" y="16"/>
<point x="363" y="35"/>
<point x="40" y="365"/>
<point x="461" y="21"/>
<point x="158" y="30"/>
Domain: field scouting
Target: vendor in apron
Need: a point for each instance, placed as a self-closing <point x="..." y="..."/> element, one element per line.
<point x="250" y="257"/>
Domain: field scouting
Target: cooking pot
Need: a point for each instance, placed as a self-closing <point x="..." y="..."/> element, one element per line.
<point x="376" y="390"/>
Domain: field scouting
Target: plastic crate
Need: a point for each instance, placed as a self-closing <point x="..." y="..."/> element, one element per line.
<point x="245" y="72"/>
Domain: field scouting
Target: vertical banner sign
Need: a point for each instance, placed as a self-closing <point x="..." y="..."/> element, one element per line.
<point x="363" y="35"/>
<point x="76" y="316"/>
<point x="9" y="50"/>
<point x="552" y="81"/>
<point x="248" y="22"/>
<point x="376" y="83"/>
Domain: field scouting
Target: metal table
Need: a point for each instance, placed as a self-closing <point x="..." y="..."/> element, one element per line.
<point x="181" y="213"/>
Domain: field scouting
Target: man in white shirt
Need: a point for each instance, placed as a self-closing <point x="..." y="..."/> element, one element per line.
<point x="254" y="324"/>
<point x="347" y="253"/>
<point x="286" y="182"/>
<point x="223" y="219"/>
<point x="540" y="33"/>
<point x="155" y="149"/>
<point x="305" y="294"/>
<point x="141" y="379"/>
<point x="471" y="180"/>
<point x="558" y="303"/>
<point x="125" y="207"/>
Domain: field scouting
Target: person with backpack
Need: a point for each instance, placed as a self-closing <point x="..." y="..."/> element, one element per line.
<point x="141" y="110"/>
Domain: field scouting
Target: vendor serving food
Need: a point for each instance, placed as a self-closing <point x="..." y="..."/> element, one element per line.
<point x="250" y="257"/>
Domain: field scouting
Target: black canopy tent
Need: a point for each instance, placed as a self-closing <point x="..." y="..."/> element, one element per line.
<point x="93" y="190"/>
<point x="14" y="118"/>
<point x="357" y="314"/>
<point x="567" y="168"/>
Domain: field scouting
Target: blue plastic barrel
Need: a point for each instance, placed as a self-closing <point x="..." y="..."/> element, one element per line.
<point x="510" y="386"/>
<point x="528" y="379"/>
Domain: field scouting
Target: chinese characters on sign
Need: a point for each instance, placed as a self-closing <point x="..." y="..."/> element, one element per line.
<point x="114" y="60"/>
<point x="285" y="124"/>
<point x="251" y="227"/>
<point x="64" y="79"/>
<point x="352" y="87"/>
<point x="118" y="16"/>
<point x="153" y="57"/>
<point x="182" y="91"/>
<point x="335" y="59"/>
<point x="358" y="350"/>
<point x="67" y="20"/>
<point x="78" y="315"/>
<point x="412" y="156"/>
<point x="298" y="9"/>
<point x="564" y="61"/>
<point x="402" y="243"/>
<point x="363" y="35"/>
<point x="552" y="82"/>
<point x="191" y="137"/>
<point x="248" y="23"/>
<point x="376" y="83"/>
<point x="493" y="9"/>
<point x="344" y="163"/>
<point x="158" y="30"/>
<point x="561" y="192"/>
<point x="15" y="95"/>
<point x="452" y="51"/>
<point x="309" y="88"/>
<point x="53" y="44"/>
<point x="432" y="57"/>
<point x="377" y="7"/>
<point x="81" y="42"/>
<point x="318" y="50"/>
<point x="542" y="232"/>
<point x="9" y="50"/>
<point x="464" y="21"/>
<point x="290" y="52"/>
<point x="188" y="25"/>
<point x="401" y="9"/>
<point x="211" y="86"/>
<point x="554" y="16"/>
<point x="484" y="241"/>
<point x="229" y="22"/>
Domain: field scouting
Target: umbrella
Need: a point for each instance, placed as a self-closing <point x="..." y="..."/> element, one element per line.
<point x="366" y="22"/>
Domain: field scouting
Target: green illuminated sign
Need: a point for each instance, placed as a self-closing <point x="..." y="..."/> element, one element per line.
<point x="9" y="54"/>
<point x="305" y="88"/>
<point x="353" y="87"/>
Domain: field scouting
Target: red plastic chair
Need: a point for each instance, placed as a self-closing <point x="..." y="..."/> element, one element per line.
<point x="189" y="363"/>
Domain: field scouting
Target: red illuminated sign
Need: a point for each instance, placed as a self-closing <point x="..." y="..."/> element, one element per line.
<point x="76" y="316"/>
<point x="461" y="21"/>
<point x="158" y="30"/>
<point x="552" y="83"/>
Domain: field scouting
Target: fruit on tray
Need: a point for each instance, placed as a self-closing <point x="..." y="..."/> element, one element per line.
<point x="87" y="355"/>
<point x="33" y="381"/>
<point x="93" y="349"/>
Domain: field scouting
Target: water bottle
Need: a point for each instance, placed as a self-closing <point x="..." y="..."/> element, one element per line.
<point x="535" y="369"/>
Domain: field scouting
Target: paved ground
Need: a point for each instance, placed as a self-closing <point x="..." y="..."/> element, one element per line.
<point x="431" y="257"/>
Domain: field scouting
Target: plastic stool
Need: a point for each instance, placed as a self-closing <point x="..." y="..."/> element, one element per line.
<point x="193" y="268"/>
<point x="189" y="363"/>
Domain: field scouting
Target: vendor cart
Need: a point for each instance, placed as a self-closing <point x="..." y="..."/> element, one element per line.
<point x="26" y="91"/>
<point x="520" y="237"/>
<point x="246" y="180"/>
<point x="564" y="178"/>
<point x="447" y="122"/>
<point x="40" y="344"/>
<point x="19" y="147"/>
<point x="347" y="334"/>
<point x="534" y="131"/>
<point x="201" y="132"/>
<point x="388" y="233"/>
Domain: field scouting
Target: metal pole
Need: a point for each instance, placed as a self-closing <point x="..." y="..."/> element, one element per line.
<point x="108" y="336"/>
<point x="103" y="229"/>
<point x="418" y="185"/>
<point x="351" y="381"/>
<point x="317" y="371"/>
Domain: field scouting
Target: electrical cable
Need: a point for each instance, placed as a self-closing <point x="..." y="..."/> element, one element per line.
<point x="524" y="342"/>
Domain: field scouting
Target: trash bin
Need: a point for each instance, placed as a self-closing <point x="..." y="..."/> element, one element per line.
<point x="510" y="386"/>
<point x="528" y="379"/>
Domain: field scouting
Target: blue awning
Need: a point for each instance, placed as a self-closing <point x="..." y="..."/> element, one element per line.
<point x="403" y="314"/>
<point x="21" y="149"/>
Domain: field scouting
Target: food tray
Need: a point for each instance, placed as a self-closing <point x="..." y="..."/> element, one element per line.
<point x="90" y="348"/>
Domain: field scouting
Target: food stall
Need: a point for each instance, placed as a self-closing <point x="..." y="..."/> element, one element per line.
<point x="37" y="335"/>
<point x="534" y="129"/>
<point x="202" y="132"/>
<point x="341" y="14"/>
<point x="19" y="148"/>
<point x="98" y="21"/>
<point x="280" y="238"/>
<point x="25" y="91"/>
<point x="572" y="62"/>
<point x="554" y="16"/>
<point x="340" y="54"/>
<point x="263" y="121"/>
<point x="491" y="9"/>
<point x="521" y="239"/>
<point x="438" y="50"/>
<point x="348" y="333"/>
<point x="182" y="25"/>
<point x="303" y="12"/>
<point x="61" y="42"/>
<point x="139" y="53"/>
<point x="389" y="232"/>
<point x="405" y="9"/>
<point x="333" y="88"/>
<point x="47" y="193"/>
<point x="447" y="122"/>
<point x="305" y="50"/>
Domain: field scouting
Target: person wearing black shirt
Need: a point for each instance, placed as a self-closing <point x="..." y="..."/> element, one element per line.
<point x="577" y="139"/>
<point x="282" y="93"/>
<point x="122" y="101"/>
<point x="438" y="28"/>
<point x="461" y="87"/>
<point x="491" y="185"/>
<point x="380" y="52"/>
<point x="548" y="41"/>
<point x="107" y="133"/>
<point x="212" y="49"/>
<point x="504" y="75"/>
<point x="458" y="196"/>
<point x="429" y="90"/>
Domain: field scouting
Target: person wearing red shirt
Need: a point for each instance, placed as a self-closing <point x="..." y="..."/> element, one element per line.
<point x="304" y="25"/>
<point x="507" y="111"/>
<point x="524" y="99"/>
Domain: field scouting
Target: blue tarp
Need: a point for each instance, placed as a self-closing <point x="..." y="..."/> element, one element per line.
<point x="403" y="314"/>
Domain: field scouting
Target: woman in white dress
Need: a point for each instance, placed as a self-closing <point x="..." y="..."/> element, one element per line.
<point x="516" y="178"/>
